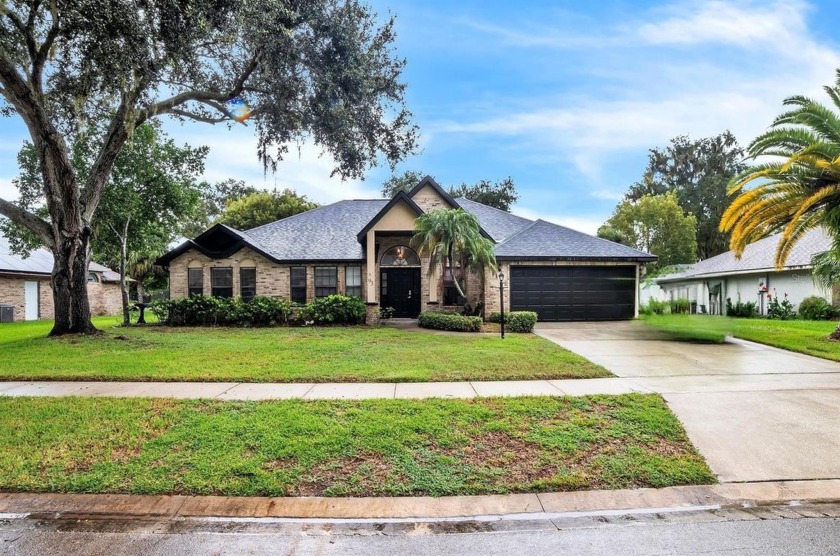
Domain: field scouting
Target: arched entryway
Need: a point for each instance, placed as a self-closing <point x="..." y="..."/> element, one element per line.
<point x="399" y="281"/>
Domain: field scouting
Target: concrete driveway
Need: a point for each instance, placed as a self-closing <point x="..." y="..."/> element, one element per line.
<point x="755" y="412"/>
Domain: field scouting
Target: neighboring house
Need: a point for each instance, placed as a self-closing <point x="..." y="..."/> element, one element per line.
<point x="363" y="248"/>
<point x="25" y="286"/>
<point x="711" y="282"/>
<point x="650" y="289"/>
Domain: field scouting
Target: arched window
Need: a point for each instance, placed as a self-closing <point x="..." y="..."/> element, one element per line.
<point x="92" y="277"/>
<point x="400" y="256"/>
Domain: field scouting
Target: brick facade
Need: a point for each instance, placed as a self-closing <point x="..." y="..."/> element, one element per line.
<point x="104" y="297"/>
<point x="273" y="279"/>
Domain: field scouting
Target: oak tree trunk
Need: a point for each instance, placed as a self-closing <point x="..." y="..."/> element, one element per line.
<point x="69" y="284"/>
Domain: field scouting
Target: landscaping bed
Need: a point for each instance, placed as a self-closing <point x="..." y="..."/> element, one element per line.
<point x="802" y="336"/>
<point x="333" y="448"/>
<point x="319" y="354"/>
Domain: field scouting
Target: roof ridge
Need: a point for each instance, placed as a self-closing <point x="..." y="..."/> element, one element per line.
<point x="510" y="237"/>
<point x="593" y="236"/>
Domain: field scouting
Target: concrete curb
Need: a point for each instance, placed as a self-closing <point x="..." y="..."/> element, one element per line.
<point x="525" y="506"/>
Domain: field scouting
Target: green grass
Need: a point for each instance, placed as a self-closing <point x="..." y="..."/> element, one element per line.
<point x="332" y="448"/>
<point x="802" y="336"/>
<point x="340" y="354"/>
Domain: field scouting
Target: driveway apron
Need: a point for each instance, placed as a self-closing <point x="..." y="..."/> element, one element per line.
<point x="755" y="412"/>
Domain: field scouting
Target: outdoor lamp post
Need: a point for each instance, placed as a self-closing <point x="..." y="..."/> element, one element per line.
<point x="502" y="299"/>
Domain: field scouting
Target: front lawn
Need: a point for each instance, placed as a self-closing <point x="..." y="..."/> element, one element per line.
<point x="802" y="336"/>
<point x="331" y="448"/>
<point x="340" y="354"/>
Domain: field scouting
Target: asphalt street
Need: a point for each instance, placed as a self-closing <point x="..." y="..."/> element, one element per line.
<point x="801" y="530"/>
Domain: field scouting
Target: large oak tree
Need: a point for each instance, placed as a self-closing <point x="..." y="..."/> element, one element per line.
<point x="318" y="70"/>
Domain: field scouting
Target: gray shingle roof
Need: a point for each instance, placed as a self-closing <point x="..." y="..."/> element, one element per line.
<point x="39" y="261"/>
<point x="329" y="233"/>
<point x="325" y="233"/>
<point x="758" y="256"/>
<point x="498" y="223"/>
<point x="551" y="241"/>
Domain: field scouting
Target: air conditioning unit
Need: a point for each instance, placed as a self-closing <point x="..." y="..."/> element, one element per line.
<point x="7" y="313"/>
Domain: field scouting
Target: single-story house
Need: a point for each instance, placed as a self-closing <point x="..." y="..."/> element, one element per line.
<point x="363" y="248"/>
<point x="753" y="277"/>
<point x="26" y="294"/>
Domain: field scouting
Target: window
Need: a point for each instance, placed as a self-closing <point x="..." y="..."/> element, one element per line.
<point x="195" y="281"/>
<point x="299" y="284"/>
<point x="221" y="282"/>
<point x="247" y="283"/>
<point x="400" y="256"/>
<point x="93" y="278"/>
<point x="384" y="283"/>
<point x="326" y="281"/>
<point x="450" y="292"/>
<point x="353" y="281"/>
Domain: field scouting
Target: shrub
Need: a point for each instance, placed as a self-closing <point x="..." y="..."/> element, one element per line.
<point x="201" y="310"/>
<point x="521" y="321"/>
<point x="817" y="308"/>
<point x="264" y="311"/>
<point x="680" y="306"/>
<point x="160" y="309"/>
<point x="449" y="321"/>
<point x="780" y="310"/>
<point x="384" y="314"/>
<point x="516" y="321"/>
<point x="654" y="307"/>
<point x="746" y="310"/>
<point x="335" y="309"/>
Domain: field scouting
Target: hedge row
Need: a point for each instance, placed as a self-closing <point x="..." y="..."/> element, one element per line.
<point x="516" y="321"/>
<point x="449" y="321"/>
<point x="202" y="310"/>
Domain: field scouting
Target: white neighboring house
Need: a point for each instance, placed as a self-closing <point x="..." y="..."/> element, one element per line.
<point x="650" y="288"/>
<point x="709" y="283"/>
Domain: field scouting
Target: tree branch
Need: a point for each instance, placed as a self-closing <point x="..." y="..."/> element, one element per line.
<point x="31" y="221"/>
<point x="211" y="98"/>
<point x="198" y="117"/>
<point x="44" y="51"/>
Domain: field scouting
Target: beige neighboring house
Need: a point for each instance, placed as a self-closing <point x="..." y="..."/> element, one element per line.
<point x="363" y="248"/>
<point x="752" y="277"/>
<point x="26" y="294"/>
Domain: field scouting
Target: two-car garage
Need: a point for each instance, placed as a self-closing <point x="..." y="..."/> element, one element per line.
<point x="574" y="293"/>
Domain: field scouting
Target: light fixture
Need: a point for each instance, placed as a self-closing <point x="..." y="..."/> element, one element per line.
<point x="501" y="276"/>
<point x="400" y="253"/>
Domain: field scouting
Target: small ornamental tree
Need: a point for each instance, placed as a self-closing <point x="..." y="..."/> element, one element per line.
<point x="316" y="70"/>
<point x="452" y="239"/>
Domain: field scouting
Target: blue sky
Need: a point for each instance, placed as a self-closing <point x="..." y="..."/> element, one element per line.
<point x="565" y="97"/>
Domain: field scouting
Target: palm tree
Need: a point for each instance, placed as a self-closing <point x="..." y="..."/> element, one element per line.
<point x="452" y="239"/>
<point x="799" y="189"/>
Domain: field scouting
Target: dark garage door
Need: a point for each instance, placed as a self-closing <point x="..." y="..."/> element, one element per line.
<point x="565" y="293"/>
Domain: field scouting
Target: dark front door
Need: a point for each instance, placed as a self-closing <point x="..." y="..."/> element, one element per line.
<point x="574" y="293"/>
<point x="400" y="289"/>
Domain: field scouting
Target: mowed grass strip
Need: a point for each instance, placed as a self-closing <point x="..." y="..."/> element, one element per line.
<point x="339" y="354"/>
<point x="332" y="448"/>
<point x="801" y="336"/>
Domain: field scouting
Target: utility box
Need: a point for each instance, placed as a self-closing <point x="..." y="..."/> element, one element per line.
<point x="7" y="313"/>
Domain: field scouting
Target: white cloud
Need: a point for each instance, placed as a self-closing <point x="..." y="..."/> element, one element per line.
<point x="745" y="59"/>
<point x="233" y="154"/>
<point x="7" y="190"/>
<point x="739" y="23"/>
